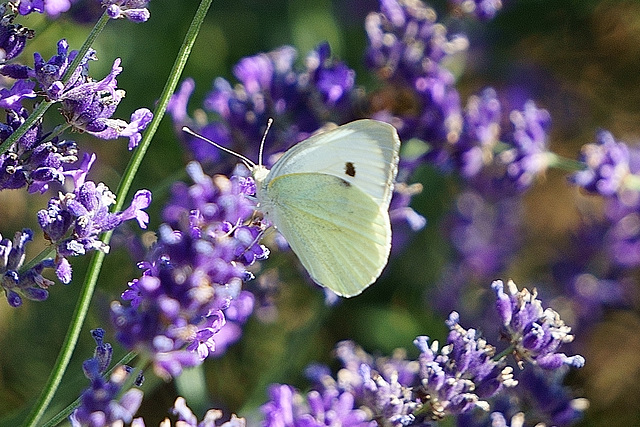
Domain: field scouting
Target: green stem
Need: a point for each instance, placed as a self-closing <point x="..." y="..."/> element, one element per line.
<point x="507" y="351"/>
<point x="565" y="163"/>
<point x="96" y="263"/>
<point x="44" y="105"/>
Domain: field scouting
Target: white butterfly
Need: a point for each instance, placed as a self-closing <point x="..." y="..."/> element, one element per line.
<point x="329" y="197"/>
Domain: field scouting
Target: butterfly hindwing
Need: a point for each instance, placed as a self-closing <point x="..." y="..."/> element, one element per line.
<point x="340" y="234"/>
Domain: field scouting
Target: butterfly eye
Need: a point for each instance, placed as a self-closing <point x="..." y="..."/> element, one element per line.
<point x="350" y="169"/>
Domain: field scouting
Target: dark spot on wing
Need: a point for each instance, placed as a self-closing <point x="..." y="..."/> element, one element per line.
<point x="350" y="169"/>
<point x="344" y="183"/>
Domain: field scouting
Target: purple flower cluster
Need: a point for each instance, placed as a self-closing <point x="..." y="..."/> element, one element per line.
<point x="453" y="380"/>
<point x="186" y="418"/>
<point x="15" y="283"/>
<point x="300" y="102"/>
<point x="35" y="161"/>
<point x="101" y="404"/>
<point x="51" y="7"/>
<point x="611" y="166"/>
<point x="482" y="9"/>
<point x="133" y="10"/>
<point x="534" y="333"/>
<point x="86" y="104"/>
<point x="194" y="275"/>
<point x="407" y="49"/>
<point x="73" y="222"/>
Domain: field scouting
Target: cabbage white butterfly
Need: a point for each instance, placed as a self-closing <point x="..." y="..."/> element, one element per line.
<point x="329" y="197"/>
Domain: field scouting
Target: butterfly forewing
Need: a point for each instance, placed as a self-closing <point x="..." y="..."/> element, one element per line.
<point x="363" y="153"/>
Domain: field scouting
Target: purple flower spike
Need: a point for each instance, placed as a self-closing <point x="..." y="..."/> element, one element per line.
<point x="73" y="222"/>
<point x="461" y="375"/>
<point x="535" y="333"/>
<point x="530" y="154"/>
<point x="608" y="165"/>
<point x="13" y="37"/>
<point x="287" y="408"/>
<point x="133" y="10"/>
<point x="407" y="47"/>
<point x="192" y="282"/>
<point x="100" y="404"/>
<point x="30" y="283"/>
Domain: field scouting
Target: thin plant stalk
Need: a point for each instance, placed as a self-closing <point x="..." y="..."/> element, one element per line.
<point x="82" y="306"/>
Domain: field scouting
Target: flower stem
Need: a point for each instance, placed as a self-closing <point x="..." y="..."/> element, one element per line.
<point x="96" y="263"/>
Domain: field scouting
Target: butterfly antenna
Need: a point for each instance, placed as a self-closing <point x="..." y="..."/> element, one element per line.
<point x="250" y="164"/>
<point x="264" y="137"/>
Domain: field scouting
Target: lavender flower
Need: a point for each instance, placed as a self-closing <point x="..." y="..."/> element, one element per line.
<point x="608" y="164"/>
<point x="299" y="101"/>
<point x="534" y="333"/>
<point x="13" y="37"/>
<point x="51" y="7"/>
<point x="100" y="405"/>
<point x="133" y="10"/>
<point x="35" y="160"/>
<point x="73" y="222"/>
<point x="482" y="9"/>
<point x="16" y="284"/>
<point x="529" y="154"/>
<point x="287" y="408"/>
<point x="86" y="104"/>
<point x="462" y="375"/>
<point x="481" y="133"/>
<point x="194" y="274"/>
<point x="407" y="48"/>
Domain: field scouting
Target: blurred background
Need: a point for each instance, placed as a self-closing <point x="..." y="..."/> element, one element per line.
<point x="579" y="59"/>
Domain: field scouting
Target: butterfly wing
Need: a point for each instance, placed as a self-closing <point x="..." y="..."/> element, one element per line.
<point x="329" y="196"/>
<point x="364" y="153"/>
<point x="340" y="234"/>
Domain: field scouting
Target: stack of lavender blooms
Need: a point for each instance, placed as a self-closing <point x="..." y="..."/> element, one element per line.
<point x="503" y="361"/>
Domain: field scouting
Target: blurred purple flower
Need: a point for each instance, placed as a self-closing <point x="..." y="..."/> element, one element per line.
<point x="287" y="408"/>
<point x="133" y="10"/>
<point x="482" y="9"/>
<point x="103" y="403"/>
<point x="481" y="133"/>
<point x="51" y="7"/>
<point x="608" y="165"/>
<point x="406" y="49"/>
<point x="528" y="155"/>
